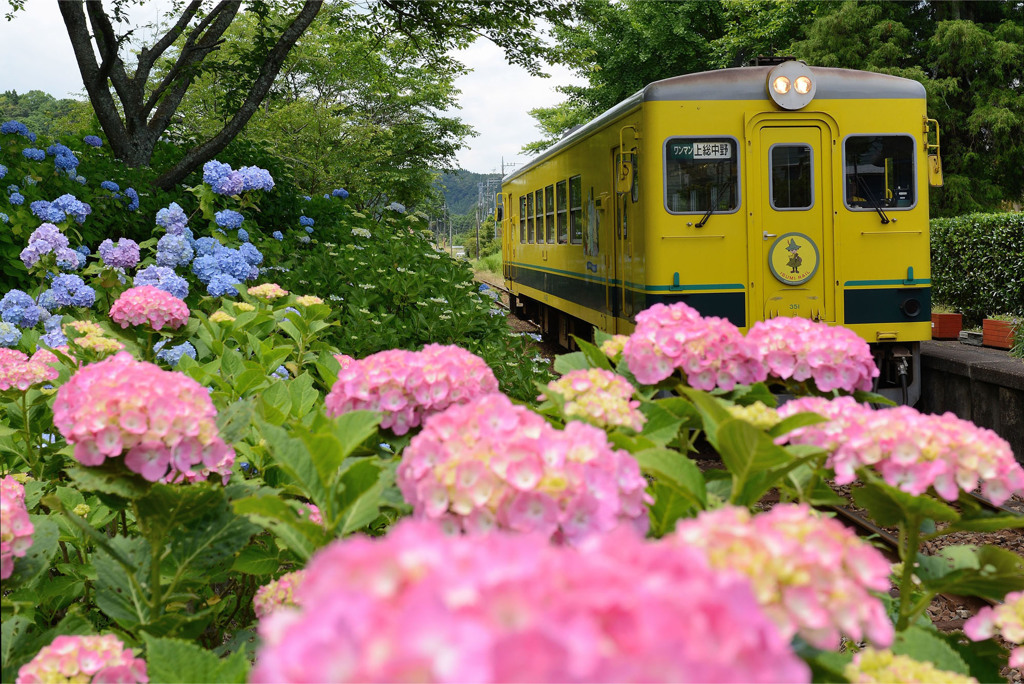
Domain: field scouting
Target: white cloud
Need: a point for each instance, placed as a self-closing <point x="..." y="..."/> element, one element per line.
<point x="35" y="54"/>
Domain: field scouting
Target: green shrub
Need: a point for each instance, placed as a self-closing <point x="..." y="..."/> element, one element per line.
<point x="978" y="263"/>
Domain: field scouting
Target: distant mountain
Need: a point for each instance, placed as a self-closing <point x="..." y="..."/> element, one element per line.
<point x="461" y="189"/>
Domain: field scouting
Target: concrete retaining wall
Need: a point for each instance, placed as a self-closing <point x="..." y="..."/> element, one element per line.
<point x="985" y="386"/>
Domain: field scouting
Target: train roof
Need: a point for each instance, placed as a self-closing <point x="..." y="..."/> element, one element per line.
<point x="743" y="83"/>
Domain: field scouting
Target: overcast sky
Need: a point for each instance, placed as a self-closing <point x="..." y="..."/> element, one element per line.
<point x="35" y="54"/>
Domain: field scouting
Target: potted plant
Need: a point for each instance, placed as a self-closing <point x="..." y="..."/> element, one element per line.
<point x="997" y="330"/>
<point x="946" y="323"/>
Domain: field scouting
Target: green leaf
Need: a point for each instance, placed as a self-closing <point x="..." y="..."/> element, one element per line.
<point x="928" y="647"/>
<point x="747" y="452"/>
<point x="987" y="571"/>
<point x="289" y="328"/>
<point x="570" y="362"/>
<point x="174" y="660"/>
<point x="303" y="395"/>
<point x="984" y="659"/>
<point x="250" y="380"/>
<point x="277" y="402"/>
<point x="797" y="420"/>
<point x="890" y="506"/>
<point x="670" y="504"/>
<point x="257" y="559"/>
<point x="358" y="497"/>
<point x="711" y="410"/>
<point x="209" y="540"/>
<point x="294" y="458"/>
<point x="745" y="395"/>
<point x="301" y="536"/>
<point x="595" y="357"/>
<point x="121" y="595"/>
<point x="671" y="467"/>
<point x="45" y="534"/>
<point x="231" y="363"/>
<point x="662" y="424"/>
<point x="111" y="477"/>
<point x="235" y="421"/>
<point x="170" y="509"/>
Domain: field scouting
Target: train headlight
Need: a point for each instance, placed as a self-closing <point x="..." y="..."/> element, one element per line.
<point x="791" y="85"/>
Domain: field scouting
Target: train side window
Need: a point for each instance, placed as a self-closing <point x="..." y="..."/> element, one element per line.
<point x="792" y="177"/>
<point x="549" y="213"/>
<point x="529" y="218"/>
<point x="701" y="174"/>
<point x="634" y="191"/>
<point x="563" y="212"/>
<point x="576" y="210"/>
<point x="538" y="203"/>
<point x="878" y="171"/>
<point x="522" y="219"/>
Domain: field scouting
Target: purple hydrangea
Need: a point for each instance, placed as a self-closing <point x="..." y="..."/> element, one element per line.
<point x="111" y="186"/>
<point x="222" y="285"/>
<point x="277" y="235"/>
<point x="45" y="239"/>
<point x="229" y="219"/>
<point x="133" y="199"/>
<point x="173" y="251"/>
<point x="221" y="179"/>
<point x="67" y="290"/>
<point x="125" y="254"/>
<point x="54" y="336"/>
<point x="93" y="141"/>
<point x="306" y="221"/>
<point x="34" y="154"/>
<point x="163" y="278"/>
<point x="18" y="308"/>
<point x="172" y="218"/>
<point x="339" y="192"/>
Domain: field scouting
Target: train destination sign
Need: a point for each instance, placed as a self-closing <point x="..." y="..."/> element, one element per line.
<point x="700" y="149"/>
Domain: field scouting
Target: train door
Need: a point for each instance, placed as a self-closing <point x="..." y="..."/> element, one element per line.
<point x="795" y="206"/>
<point x="620" y="237"/>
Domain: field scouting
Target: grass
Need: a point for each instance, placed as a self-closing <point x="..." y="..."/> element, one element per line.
<point x="490" y="263"/>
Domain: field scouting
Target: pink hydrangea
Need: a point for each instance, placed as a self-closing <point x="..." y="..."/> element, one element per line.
<point x="84" y="659"/>
<point x="1005" y="620"/>
<point x="800" y="349"/>
<point x="490" y="463"/>
<point x="419" y="605"/>
<point x="812" y="575"/>
<point x="912" y="451"/>
<point x="149" y="305"/>
<point x="599" y="397"/>
<point x="710" y="352"/>
<point x="408" y="386"/>
<point x="162" y="421"/>
<point x="277" y="594"/>
<point x="15" y="527"/>
<point x="20" y="372"/>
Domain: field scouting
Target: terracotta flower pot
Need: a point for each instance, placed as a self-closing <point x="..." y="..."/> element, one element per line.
<point x="998" y="334"/>
<point x="946" y="326"/>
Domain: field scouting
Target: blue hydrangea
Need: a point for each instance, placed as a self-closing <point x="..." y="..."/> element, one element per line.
<point x="34" y="154"/>
<point x="222" y="285"/>
<point x="4" y="218"/>
<point x="234" y="263"/>
<point x="163" y="278"/>
<point x="111" y="186"/>
<point x="339" y="192"/>
<point x="397" y="206"/>
<point x="133" y="198"/>
<point x="83" y="250"/>
<point x="229" y="219"/>
<point x="277" y="235"/>
<point x="307" y="198"/>
<point x="304" y="239"/>
<point x="17" y="128"/>
<point x="251" y="254"/>
<point x="67" y="290"/>
<point x="66" y="162"/>
<point x="309" y="229"/>
<point x="29" y="180"/>
<point x="3" y="170"/>
<point x="80" y="180"/>
<point x="206" y="246"/>
<point x="255" y="178"/>
<point x="326" y="196"/>
<point x="221" y="179"/>
<point x="125" y="254"/>
<point x="20" y="309"/>
<point x="72" y="206"/>
<point x="173" y="355"/>
<point x="54" y="336"/>
<point x="172" y="218"/>
<point x="46" y="211"/>
<point x="306" y="221"/>
<point x="281" y="372"/>
<point x="173" y="251"/>
<point x="243" y="235"/>
<point x="17" y="199"/>
<point x="57" y="149"/>
<point x="9" y="335"/>
<point x="12" y="188"/>
<point x="93" y="141"/>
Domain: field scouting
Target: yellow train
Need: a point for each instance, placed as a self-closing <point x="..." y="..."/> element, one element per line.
<point x="748" y="193"/>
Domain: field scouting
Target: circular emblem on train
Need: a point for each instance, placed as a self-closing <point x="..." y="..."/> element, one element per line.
<point x="793" y="258"/>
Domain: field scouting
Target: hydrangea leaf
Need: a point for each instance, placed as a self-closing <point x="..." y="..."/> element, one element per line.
<point x="27" y="568"/>
<point x="175" y="660"/>
<point x="928" y="647"/>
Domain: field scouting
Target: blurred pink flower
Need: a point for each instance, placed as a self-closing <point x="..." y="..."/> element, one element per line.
<point x="421" y="605"/>
<point x="277" y="594"/>
<point x="1005" y="620"/>
<point x="20" y="372"/>
<point x="15" y="527"/>
<point x="84" y="659"/>
<point x="149" y="305"/>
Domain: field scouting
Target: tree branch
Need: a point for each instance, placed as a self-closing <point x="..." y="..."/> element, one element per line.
<point x="148" y="56"/>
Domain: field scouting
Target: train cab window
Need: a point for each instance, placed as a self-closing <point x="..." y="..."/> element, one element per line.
<point x="522" y="219"/>
<point x="792" y="179"/>
<point x="576" y="210"/>
<point x="879" y="172"/>
<point x="701" y="175"/>
<point x="529" y="218"/>
<point x="549" y="213"/>
<point x="538" y="203"/>
<point x="561" y="204"/>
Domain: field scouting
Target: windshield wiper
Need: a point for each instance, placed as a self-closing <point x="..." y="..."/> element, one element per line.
<point x="871" y="198"/>
<point x="712" y="200"/>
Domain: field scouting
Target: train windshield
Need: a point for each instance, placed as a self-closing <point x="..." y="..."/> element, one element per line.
<point x="879" y="171"/>
<point x="701" y="175"/>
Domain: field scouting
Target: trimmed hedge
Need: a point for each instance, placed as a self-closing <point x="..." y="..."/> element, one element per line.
<point x="978" y="263"/>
